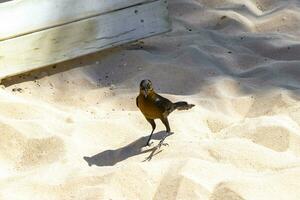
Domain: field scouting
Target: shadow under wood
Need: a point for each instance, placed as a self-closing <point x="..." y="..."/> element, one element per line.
<point x="112" y="157"/>
<point x="81" y="61"/>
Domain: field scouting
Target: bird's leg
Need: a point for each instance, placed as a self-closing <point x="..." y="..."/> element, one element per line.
<point x="166" y="123"/>
<point x="168" y="130"/>
<point x="152" y="122"/>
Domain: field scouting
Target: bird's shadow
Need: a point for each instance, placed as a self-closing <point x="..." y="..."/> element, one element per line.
<point x="112" y="157"/>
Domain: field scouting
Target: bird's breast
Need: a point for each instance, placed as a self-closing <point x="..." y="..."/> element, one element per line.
<point x="148" y="107"/>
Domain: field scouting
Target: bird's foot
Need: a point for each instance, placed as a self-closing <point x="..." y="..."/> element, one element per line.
<point x="153" y="153"/>
<point x="161" y="143"/>
<point x="148" y="144"/>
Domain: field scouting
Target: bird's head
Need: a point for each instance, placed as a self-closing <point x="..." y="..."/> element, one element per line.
<point x="146" y="87"/>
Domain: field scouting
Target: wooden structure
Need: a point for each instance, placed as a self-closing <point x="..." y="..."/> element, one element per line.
<point x="38" y="33"/>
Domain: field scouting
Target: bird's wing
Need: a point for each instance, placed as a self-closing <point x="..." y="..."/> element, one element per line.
<point x="163" y="103"/>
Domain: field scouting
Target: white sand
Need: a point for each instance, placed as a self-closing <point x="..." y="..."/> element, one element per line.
<point x="237" y="60"/>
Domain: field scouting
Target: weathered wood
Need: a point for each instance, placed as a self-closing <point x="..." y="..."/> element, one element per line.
<point x="27" y="16"/>
<point x="65" y="42"/>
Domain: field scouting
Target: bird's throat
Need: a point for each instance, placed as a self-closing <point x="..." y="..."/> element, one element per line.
<point x="147" y="94"/>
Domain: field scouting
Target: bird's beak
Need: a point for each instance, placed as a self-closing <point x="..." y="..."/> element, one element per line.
<point x="145" y="93"/>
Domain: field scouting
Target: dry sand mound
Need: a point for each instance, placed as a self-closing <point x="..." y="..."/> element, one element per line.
<point x="72" y="131"/>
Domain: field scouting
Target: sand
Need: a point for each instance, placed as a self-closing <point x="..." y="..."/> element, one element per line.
<point x="73" y="131"/>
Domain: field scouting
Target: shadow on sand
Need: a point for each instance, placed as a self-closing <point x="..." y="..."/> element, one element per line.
<point x="112" y="157"/>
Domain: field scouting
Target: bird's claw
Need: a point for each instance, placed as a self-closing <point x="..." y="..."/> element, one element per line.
<point x="149" y="144"/>
<point x="161" y="143"/>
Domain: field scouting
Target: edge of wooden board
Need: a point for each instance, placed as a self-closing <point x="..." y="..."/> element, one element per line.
<point x="28" y="16"/>
<point x="55" y="45"/>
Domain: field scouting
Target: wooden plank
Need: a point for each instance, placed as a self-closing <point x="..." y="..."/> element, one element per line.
<point x="65" y="42"/>
<point x="27" y="16"/>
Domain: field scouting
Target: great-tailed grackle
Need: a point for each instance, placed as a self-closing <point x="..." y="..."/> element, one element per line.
<point x="154" y="106"/>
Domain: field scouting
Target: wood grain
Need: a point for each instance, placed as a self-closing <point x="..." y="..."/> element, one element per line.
<point x="28" y="16"/>
<point x="82" y="37"/>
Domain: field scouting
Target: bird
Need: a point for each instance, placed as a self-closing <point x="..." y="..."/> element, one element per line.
<point x="153" y="106"/>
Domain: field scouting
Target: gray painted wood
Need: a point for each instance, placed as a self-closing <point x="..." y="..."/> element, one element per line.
<point x="28" y="16"/>
<point x="39" y="49"/>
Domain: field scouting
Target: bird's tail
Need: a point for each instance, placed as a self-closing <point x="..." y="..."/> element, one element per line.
<point x="182" y="105"/>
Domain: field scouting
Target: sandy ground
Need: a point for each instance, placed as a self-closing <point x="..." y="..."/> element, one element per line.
<point x="73" y="131"/>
